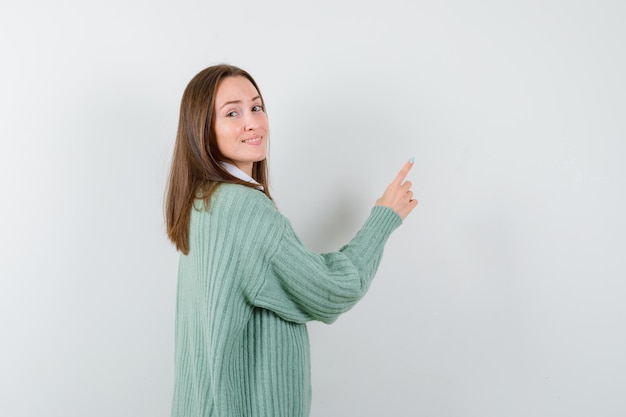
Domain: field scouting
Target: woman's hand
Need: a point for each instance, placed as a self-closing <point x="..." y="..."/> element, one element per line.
<point x="398" y="195"/>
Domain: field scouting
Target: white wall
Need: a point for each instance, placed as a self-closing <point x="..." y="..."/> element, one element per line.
<point x="501" y="295"/>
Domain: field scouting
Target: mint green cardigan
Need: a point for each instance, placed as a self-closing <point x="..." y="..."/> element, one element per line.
<point x="245" y="291"/>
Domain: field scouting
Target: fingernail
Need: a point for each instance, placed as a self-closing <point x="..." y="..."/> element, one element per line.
<point x="412" y="160"/>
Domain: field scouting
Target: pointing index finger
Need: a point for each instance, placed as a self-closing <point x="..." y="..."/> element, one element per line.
<point x="404" y="171"/>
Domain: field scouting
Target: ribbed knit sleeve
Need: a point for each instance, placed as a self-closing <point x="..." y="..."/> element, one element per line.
<point x="302" y="285"/>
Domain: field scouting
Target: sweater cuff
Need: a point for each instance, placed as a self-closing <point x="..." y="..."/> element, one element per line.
<point x="385" y="219"/>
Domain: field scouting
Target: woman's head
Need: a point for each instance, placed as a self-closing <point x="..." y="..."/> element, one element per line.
<point x="201" y="112"/>
<point x="239" y="123"/>
<point x="222" y="119"/>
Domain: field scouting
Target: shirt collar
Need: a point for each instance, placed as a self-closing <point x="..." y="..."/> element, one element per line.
<point x="238" y="173"/>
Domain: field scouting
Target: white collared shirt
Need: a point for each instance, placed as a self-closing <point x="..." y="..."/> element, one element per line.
<point x="238" y="173"/>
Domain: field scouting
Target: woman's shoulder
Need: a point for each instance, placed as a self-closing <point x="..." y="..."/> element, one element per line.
<point x="236" y="192"/>
<point x="237" y="200"/>
<point x="239" y="208"/>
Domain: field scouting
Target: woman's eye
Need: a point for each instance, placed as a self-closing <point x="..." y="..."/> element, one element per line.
<point x="257" y="108"/>
<point x="231" y="114"/>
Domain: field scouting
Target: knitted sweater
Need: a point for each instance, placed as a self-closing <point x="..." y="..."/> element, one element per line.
<point x="245" y="291"/>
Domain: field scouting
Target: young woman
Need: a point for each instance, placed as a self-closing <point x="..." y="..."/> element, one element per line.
<point x="247" y="285"/>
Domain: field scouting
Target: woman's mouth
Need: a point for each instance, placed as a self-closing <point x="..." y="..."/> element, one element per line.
<point x="253" y="141"/>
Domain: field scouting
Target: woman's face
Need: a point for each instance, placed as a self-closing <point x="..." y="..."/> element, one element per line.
<point x="241" y="126"/>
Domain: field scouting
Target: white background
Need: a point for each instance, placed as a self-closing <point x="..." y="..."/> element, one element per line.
<point x="501" y="295"/>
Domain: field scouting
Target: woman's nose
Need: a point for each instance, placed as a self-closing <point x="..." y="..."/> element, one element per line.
<point x="250" y="122"/>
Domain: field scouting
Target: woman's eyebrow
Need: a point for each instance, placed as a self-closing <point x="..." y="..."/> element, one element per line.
<point x="238" y="101"/>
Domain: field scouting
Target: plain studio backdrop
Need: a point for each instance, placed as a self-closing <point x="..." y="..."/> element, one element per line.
<point x="503" y="294"/>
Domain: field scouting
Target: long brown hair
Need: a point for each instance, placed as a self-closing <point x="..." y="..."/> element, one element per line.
<point x="196" y="171"/>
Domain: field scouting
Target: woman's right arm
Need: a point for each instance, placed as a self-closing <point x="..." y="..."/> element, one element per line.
<point x="301" y="285"/>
